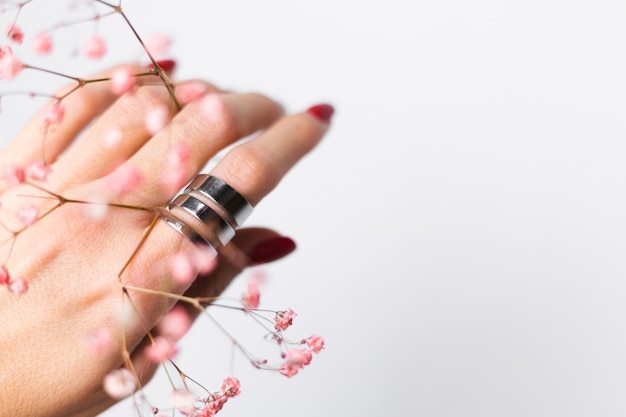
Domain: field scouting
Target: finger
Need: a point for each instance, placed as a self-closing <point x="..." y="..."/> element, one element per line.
<point x="81" y="107"/>
<point x="202" y="128"/>
<point x="120" y="132"/>
<point x="114" y="136"/>
<point x="255" y="167"/>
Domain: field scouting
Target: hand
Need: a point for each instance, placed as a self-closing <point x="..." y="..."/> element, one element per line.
<point x="72" y="263"/>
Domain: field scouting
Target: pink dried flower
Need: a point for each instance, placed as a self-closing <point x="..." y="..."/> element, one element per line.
<point x="204" y="259"/>
<point x="251" y="298"/>
<point x="215" y="403"/>
<point x="41" y="44"/>
<point x="181" y="267"/>
<point x="54" y="114"/>
<point x="296" y="359"/>
<point x="119" y="383"/>
<point x="184" y="401"/>
<point x="176" y="171"/>
<point x="316" y="343"/>
<point x="212" y="107"/>
<point x="113" y="137"/>
<point x="122" y="80"/>
<point x="190" y="91"/>
<point x="161" y="350"/>
<point x="15" y="33"/>
<point x="156" y="118"/>
<point x="124" y="179"/>
<point x="175" y="324"/>
<point x="10" y="66"/>
<point x="28" y="215"/>
<point x="300" y="357"/>
<point x="14" y="174"/>
<point x="38" y="171"/>
<point x="94" y="47"/>
<point x="99" y="341"/>
<point x="18" y="286"/>
<point x="231" y="387"/>
<point x="159" y="44"/>
<point x="5" y="277"/>
<point x="284" y="319"/>
<point x="259" y="276"/>
<point x="178" y="154"/>
<point x="288" y="369"/>
<point x="98" y="209"/>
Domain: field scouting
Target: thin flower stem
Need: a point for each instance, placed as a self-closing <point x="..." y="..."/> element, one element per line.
<point x="138" y="247"/>
<point x="227" y="306"/>
<point x="81" y="82"/>
<point x="17" y="15"/>
<point x="169" y="377"/>
<point x="148" y="333"/>
<point x="11" y="239"/>
<point x="48" y="71"/>
<point x="227" y="334"/>
<point x="77" y="87"/>
<point x="190" y="300"/>
<point x="258" y="318"/>
<point x="160" y="72"/>
<point x="184" y="377"/>
<point x="117" y="8"/>
<point x="66" y="24"/>
<point x="64" y="200"/>
<point x="28" y="93"/>
<point x="125" y="206"/>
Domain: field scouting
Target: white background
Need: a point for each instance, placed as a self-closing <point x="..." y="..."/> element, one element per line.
<point x="461" y="228"/>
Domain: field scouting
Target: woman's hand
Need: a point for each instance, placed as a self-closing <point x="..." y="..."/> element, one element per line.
<point x="72" y="261"/>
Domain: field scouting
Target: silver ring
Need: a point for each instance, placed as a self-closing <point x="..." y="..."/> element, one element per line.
<point x="224" y="196"/>
<point x="207" y="212"/>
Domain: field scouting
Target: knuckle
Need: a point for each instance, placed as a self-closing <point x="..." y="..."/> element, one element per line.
<point x="145" y="104"/>
<point x="211" y="117"/>
<point x="228" y="125"/>
<point x="147" y="96"/>
<point x="248" y="171"/>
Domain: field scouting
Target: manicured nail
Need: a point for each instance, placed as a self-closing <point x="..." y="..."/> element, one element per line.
<point x="167" y="65"/>
<point x="323" y="112"/>
<point x="271" y="250"/>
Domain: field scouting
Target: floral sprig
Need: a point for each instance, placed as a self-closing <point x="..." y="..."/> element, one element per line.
<point x="184" y="266"/>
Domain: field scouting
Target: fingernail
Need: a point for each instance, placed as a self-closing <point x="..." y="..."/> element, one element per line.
<point x="271" y="250"/>
<point x="323" y="112"/>
<point x="167" y="65"/>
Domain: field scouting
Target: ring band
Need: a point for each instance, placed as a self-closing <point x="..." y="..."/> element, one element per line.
<point x="234" y="204"/>
<point x="181" y="227"/>
<point x="218" y="207"/>
<point x="217" y="227"/>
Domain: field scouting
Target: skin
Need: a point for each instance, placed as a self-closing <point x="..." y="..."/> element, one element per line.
<point x="72" y="263"/>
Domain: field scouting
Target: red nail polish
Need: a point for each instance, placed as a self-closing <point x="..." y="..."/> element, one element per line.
<point x="271" y="250"/>
<point x="167" y="65"/>
<point x="323" y="112"/>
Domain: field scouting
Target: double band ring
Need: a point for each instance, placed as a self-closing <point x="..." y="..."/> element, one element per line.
<point x="207" y="212"/>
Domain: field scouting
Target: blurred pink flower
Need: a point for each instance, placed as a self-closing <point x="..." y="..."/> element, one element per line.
<point x="41" y="44"/>
<point x="94" y="47"/>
